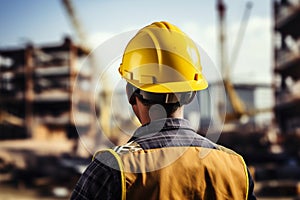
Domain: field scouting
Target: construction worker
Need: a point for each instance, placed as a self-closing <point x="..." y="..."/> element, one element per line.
<point x="165" y="158"/>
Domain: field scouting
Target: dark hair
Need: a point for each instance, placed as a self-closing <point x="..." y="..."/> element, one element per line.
<point x="170" y="108"/>
<point x="170" y="101"/>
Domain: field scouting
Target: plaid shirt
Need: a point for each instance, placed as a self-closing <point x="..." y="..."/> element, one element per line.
<point x="102" y="182"/>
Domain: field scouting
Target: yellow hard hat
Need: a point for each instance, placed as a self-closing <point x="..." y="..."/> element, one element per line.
<point x="160" y="58"/>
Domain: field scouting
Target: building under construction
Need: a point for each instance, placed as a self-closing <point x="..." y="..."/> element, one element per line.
<point x="283" y="171"/>
<point x="287" y="70"/>
<point x="37" y="90"/>
<point x="38" y="133"/>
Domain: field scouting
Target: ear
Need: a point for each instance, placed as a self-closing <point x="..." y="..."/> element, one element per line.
<point x="135" y="108"/>
<point x="141" y="111"/>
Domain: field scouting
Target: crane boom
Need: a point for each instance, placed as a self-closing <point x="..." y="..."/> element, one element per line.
<point x="77" y="25"/>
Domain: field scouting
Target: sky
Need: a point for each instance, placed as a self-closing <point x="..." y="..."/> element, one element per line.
<point x="46" y="22"/>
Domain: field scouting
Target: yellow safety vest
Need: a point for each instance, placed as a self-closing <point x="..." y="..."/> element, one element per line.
<point x="182" y="173"/>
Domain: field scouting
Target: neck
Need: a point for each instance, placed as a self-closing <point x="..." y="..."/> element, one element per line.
<point x="146" y="114"/>
<point x="157" y="112"/>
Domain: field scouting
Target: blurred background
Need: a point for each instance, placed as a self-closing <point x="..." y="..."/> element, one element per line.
<point x="55" y="111"/>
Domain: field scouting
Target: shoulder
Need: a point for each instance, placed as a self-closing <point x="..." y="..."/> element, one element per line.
<point x="230" y="155"/>
<point x="100" y="179"/>
<point x="226" y="150"/>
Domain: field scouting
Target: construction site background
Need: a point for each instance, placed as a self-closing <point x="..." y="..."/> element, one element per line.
<point x="42" y="154"/>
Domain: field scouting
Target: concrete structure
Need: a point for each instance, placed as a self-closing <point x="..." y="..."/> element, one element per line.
<point x="287" y="65"/>
<point x="36" y="91"/>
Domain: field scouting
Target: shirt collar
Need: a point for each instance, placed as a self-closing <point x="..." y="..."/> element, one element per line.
<point x="160" y="126"/>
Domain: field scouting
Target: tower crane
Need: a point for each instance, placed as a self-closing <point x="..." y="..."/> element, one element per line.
<point x="238" y="106"/>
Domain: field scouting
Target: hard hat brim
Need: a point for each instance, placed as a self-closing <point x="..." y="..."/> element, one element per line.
<point x="171" y="87"/>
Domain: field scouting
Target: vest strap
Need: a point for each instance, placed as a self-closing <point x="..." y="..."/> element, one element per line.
<point x="112" y="159"/>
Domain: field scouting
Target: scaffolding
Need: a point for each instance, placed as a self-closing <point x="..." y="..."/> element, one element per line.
<point x="287" y="73"/>
<point x="280" y="177"/>
<point x="36" y="91"/>
<point x="287" y="66"/>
